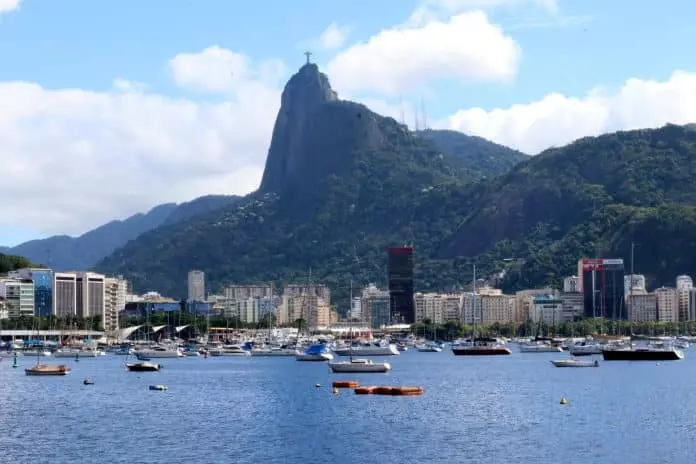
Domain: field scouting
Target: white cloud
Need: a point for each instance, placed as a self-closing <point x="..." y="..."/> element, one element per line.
<point x="465" y="47"/>
<point x="333" y="37"/>
<point x="73" y="159"/>
<point x="430" y="10"/>
<point x="9" y="5"/>
<point x="217" y="69"/>
<point x="557" y="119"/>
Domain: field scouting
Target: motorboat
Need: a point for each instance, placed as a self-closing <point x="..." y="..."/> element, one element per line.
<point x="481" y="347"/>
<point x="145" y="366"/>
<point x="274" y="351"/>
<point x="585" y="349"/>
<point x="48" y="369"/>
<point x="158" y="352"/>
<point x="368" y="349"/>
<point x="575" y="363"/>
<point x="647" y="353"/>
<point x="229" y="350"/>
<point x="359" y="366"/>
<point x="318" y="352"/>
<point x="429" y="348"/>
<point x="34" y="352"/>
<point x="72" y="353"/>
<point x="536" y="347"/>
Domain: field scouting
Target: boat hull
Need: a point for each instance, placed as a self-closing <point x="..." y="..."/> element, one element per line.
<point x="314" y="357"/>
<point x="143" y="367"/>
<point x="642" y="355"/>
<point x="275" y="353"/>
<point x="50" y="369"/>
<point x="572" y="363"/>
<point x="481" y="351"/>
<point x="354" y="368"/>
<point x="152" y="354"/>
<point x="368" y="351"/>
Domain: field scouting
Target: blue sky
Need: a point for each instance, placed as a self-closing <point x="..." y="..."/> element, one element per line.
<point x="85" y="44"/>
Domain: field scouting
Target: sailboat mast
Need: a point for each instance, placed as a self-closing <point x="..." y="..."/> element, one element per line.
<point x="350" y="324"/>
<point x="473" y="309"/>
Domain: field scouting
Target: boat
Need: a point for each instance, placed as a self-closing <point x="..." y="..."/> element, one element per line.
<point x="274" y="351"/>
<point x="482" y="346"/>
<point x="145" y="366"/>
<point x="48" y="369"/>
<point x="575" y="363"/>
<point x="648" y="353"/>
<point x="431" y="347"/>
<point x="318" y="352"/>
<point x="539" y="348"/>
<point x="158" y="352"/>
<point x="229" y="350"/>
<point x="72" y="353"/>
<point x="401" y="347"/>
<point x="359" y="366"/>
<point x="368" y="349"/>
<point x="585" y="349"/>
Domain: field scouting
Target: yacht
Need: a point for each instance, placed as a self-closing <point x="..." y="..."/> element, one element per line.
<point x="143" y="367"/>
<point x="575" y="363"/>
<point x="381" y="348"/>
<point x="318" y="352"/>
<point x="73" y="352"/>
<point x="429" y="348"/>
<point x="536" y="347"/>
<point x="48" y="369"/>
<point x="229" y="350"/>
<point x="481" y="347"/>
<point x="35" y="352"/>
<point x="274" y="351"/>
<point x="646" y="353"/>
<point x="359" y="366"/>
<point x="158" y="352"/>
<point x="585" y="348"/>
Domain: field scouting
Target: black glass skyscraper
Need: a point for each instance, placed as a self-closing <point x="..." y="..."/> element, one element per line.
<point x="603" y="288"/>
<point x="400" y="270"/>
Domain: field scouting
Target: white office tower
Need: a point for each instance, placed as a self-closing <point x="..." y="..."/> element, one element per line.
<point x="196" y="286"/>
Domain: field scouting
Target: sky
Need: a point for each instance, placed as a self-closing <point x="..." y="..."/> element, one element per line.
<point x="109" y="108"/>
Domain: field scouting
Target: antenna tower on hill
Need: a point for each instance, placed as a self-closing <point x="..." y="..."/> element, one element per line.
<point x="417" y="128"/>
<point x="308" y="55"/>
<point x="423" y="115"/>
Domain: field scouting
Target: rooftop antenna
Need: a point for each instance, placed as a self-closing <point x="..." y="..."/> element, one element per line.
<point x="308" y="55"/>
<point x="423" y="115"/>
<point x="416" y="110"/>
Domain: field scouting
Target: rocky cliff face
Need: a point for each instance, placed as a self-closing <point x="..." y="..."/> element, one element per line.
<point x="304" y="93"/>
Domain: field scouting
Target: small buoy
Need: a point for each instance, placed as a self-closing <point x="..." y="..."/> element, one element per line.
<point x="564" y="401"/>
<point x="335" y="391"/>
<point x="158" y="387"/>
<point x="88" y="382"/>
<point x="317" y="385"/>
<point x="657" y="364"/>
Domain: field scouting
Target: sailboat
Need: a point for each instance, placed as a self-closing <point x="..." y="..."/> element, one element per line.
<point x="430" y="347"/>
<point x="482" y="346"/>
<point x="46" y="369"/>
<point x="271" y="348"/>
<point x="143" y="366"/>
<point x="357" y="365"/>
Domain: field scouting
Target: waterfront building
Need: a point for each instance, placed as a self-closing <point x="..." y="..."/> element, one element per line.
<point x="319" y="290"/>
<point x="602" y="283"/>
<point x="667" y="304"/>
<point x="42" y="279"/>
<point x="18" y="297"/>
<point x="89" y="294"/>
<point x="400" y="275"/>
<point x="488" y="306"/>
<point x="356" y="309"/>
<point x="196" y="286"/>
<point x="642" y="307"/>
<point x="635" y="283"/>
<point x="451" y="307"/>
<point x="573" y="306"/>
<point x="375" y="307"/>
<point x="64" y="294"/>
<point x="524" y="300"/>
<point x="240" y="292"/>
<point x="684" y="286"/>
<point x="547" y="309"/>
<point x="428" y="306"/>
<point x="115" y="289"/>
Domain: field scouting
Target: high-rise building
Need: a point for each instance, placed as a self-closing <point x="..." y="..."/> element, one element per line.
<point x="400" y="273"/>
<point x="667" y="304"/>
<point x="602" y="284"/>
<point x="571" y="284"/>
<point x="89" y="294"/>
<point x="115" y="290"/>
<point x="375" y="307"/>
<point x="684" y="286"/>
<point x="196" y="286"/>
<point x="64" y="294"/>
<point x="43" y="288"/>
<point x="19" y="297"/>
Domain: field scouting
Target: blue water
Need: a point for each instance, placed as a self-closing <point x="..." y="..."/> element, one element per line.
<point x="268" y="410"/>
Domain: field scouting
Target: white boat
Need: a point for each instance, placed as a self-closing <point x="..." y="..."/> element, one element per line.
<point x="359" y="366"/>
<point x="229" y="350"/>
<point x="429" y="348"/>
<point x="539" y="348"/>
<point x="158" y="352"/>
<point x="585" y="349"/>
<point x="37" y="353"/>
<point x="575" y="363"/>
<point x="72" y="353"/>
<point x="317" y="352"/>
<point x="368" y="349"/>
<point x="274" y="351"/>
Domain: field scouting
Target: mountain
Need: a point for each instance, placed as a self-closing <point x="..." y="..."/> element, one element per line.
<point x="342" y="184"/>
<point x="477" y="155"/>
<point x="62" y="252"/>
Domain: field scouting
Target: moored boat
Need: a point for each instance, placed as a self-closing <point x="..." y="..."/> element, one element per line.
<point x="359" y="366"/>
<point x="648" y="353"/>
<point x="318" y="352"/>
<point x="48" y="369"/>
<point x="482" y="347"/>
<point x="575" y="363"/>
<point x="143" y="367"/>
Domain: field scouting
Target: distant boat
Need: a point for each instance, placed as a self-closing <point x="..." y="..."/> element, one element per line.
<point x="143" y="367"/>
<point x="359" y="366"/>
<point x="274" y="351"/>
<point x="539" y="348"/>
<point x="48" y="369"/>
<point x="229" y="350"/>
<point x="481" y="347"/>
<point x="368" y="349"/>
<point x="158" y="352"/>
<point x="431" y="347"/>
<point x="648" y="353"/>
<point x="575" y="363"/>
<point x="318" y="352"/>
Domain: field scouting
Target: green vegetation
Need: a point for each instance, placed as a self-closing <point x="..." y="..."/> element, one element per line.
<point x="361" y="183"/>
<point x="12" y="263"/>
